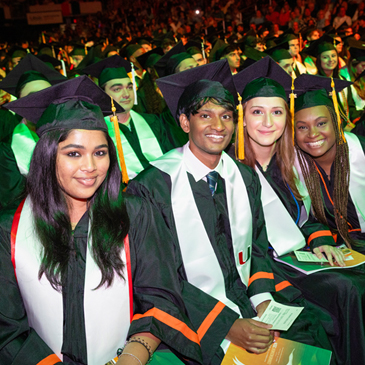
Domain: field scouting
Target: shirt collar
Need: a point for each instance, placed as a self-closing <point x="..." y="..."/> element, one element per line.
<point x="197" y="168"/>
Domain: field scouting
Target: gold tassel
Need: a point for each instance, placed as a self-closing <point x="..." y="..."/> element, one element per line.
<point x="292" y="111"/>
<point x="43" y="38"/>
<point x="123" y="166"/>
<point x="335" y="104"/>
<point x="85" y="50"/>
<point x="240" y="132"/>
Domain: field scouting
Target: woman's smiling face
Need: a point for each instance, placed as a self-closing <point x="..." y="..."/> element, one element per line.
<point x="315" y="133"/>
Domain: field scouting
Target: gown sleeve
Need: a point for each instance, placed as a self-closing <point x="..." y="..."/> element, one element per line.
<point x="19" y="344"/>
<point x="210" y="318"/>
<point x="158" y="303"/>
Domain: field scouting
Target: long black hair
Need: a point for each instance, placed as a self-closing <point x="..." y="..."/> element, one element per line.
<point x="109" y="219"/>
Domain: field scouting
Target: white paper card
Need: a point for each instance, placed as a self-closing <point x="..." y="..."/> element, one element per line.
<point x="280" y="316"/>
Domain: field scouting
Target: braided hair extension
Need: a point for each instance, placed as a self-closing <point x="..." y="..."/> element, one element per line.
<point x="341" y="184"/>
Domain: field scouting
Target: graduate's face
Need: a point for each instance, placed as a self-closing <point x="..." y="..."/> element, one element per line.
<point x="121" y="90"/>
<point x="233" y="59"/>
<point x="265" y="120"/>
<point x="200" y="60"/>
<point x="287" y="65"/>
<point x="314" y="132"/>
<point x="329" y="60"/>
<point x="34" y="86"/>
<point x="82" y="163"/>
<point x="210" y="130"/>
<point x="294" y="47"/>
<point x="186" y="64"/>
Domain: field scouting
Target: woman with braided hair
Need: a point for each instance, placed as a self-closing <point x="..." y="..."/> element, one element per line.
<point x="330" y="162"/>
<point x="268" y="147"/>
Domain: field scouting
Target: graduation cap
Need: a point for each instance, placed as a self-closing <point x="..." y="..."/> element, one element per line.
<point x="109" y="49"/>
<point x="150" y="58"/>
<point x="314" y="91"/>
<point x="320" y="45"/>
<point x="253" y="55"/>
<point x="357" y="50"/>
<point x="265" y="78"/>
<point x="79" y="49"/>
<point x="162" y="65"/>
<point x="73" y="104"/>
<point x="17" y="51"/>
<point x="110" y="68"/>
<point x="211" y="80"/>
<point x="195" y="44"/>
<point x="279" y="52"/>
<point x="29" y="69"/>
<point x="219" y="45"/>
<point x="49" y="60"/>
<point x="131" y="49"/>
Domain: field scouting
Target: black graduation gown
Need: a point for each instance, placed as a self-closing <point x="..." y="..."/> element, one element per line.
<point x="158" y="130"/>
<point x="340" y="292"/>
<point x="154" y="280"/>
<point x="12" y="182"/>
<point x="155" y="185"/>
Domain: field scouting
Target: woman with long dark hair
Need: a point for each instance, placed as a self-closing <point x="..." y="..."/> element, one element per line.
<point x="331" y="165"/>
<point x="81" y="263"/>
<point x="268" y="147"/>
<point x="327" y="63"/>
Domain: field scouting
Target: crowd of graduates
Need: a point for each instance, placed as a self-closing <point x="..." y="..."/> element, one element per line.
<point x="155" y="164"/>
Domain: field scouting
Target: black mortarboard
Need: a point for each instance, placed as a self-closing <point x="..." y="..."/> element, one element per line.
<point x="357" y="50"/>
<point x="23" y="74"/>
<point x="131" y="49"/>
<point x="49" y="60"/>
<point x="279" y="52"/>
<point x="91" y="58"/>
<point x="79" y="49"/>
<point x="200" y="82"/>
<point x="150" y="58"/>
<point x="314" y="90"/>
<point x="265" y="78"/>
<point x="17" y="51"/>
<point x="161" y="65"/>
<point x="194" y="44"/>
<point x="74" y="104"/>
<point x="110" y="68"/>
<point x="109" y="49"/>
<point x="320" y="45"/>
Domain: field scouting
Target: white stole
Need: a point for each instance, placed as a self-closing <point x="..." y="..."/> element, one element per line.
<point x="283" y="233"/>
<point x="147" y="139"/>
<point x="357" y="176"/>
<point x="200" y="261"/>
<point x="106" y="310"/>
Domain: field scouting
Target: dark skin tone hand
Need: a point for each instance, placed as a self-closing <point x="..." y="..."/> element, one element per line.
<point x="252" y="335"/>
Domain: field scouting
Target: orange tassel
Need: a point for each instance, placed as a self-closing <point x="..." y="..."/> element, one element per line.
<point x="123" y="166"/>
<point x="240" y="132"/>
<point x="292" y="111"/>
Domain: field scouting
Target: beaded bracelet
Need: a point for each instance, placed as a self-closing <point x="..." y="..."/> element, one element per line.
<point x="134" y="356"/>
<point x="145" y="344"/>
<point x="142" y="342"/>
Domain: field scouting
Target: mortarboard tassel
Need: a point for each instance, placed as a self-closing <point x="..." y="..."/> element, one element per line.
<point x="123" y="166"/>
<point x="335" y="103"/>
<point x="203" y="50"/>
<point x="53" y="52"/>
<point x="240" y="145"/>
<point x="292" y="97"/>
<point x="134" y="84"/>
<point x="85" y="50"/>
<point x="43" y="38"/>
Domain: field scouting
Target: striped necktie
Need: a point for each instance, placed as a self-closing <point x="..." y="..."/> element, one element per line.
<point x="212" y="178"/>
